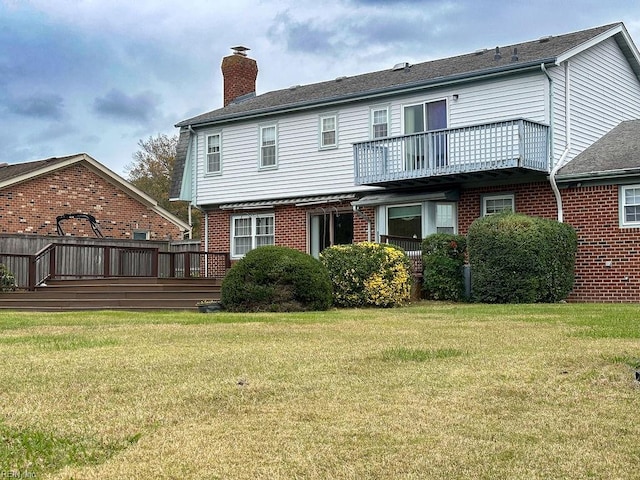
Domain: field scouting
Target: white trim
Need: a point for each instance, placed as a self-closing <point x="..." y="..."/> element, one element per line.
<point x="594" y="41"/>
<point x="499" y="196"/>
<point x="321" y="119"/>
<point x="621" y="207"/>
<point x="208" y="172"/>
<point x="253" y="233"/>
<point x="376" y="108"/>
<point x="261" y="128"/>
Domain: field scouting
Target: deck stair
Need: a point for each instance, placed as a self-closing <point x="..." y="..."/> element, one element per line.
<point x="118" y="293"/>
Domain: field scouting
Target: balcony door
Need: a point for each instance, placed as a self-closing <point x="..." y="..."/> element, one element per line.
<point x="425" y="151"/>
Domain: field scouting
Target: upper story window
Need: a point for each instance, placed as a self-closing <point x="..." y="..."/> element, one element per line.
<point x="328" y="131"/>
<point x="630" y="206"/>
<point x="379" y="122"/>
<point x="214" y="158"/>
<point x="492" y="204"/>
<point x="251" y="231"/>
<point x="268" y="146"/>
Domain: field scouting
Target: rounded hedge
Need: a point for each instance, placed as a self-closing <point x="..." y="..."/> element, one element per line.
<point x="368" y="274"/>
<point x="276" y="279"/>
<point x="520" y="259"/>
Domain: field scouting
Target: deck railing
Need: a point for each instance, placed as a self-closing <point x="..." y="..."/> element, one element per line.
<point x="411" y="246"/>
<point x="69" y="261"/>
<point x="510" y="144"/>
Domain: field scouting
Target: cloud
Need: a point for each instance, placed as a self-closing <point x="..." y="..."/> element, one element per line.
<point x="141" y="108"/>
<point x="39" y="106"/>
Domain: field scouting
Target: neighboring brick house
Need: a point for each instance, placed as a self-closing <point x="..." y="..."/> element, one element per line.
<point x="34" y="194"/>
<point x="545" y="127"/>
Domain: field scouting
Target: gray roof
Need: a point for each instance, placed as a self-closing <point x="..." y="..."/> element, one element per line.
<point x="615" y="154"/>
<point x="389" y="81"/>
<point x="8" y="172"/>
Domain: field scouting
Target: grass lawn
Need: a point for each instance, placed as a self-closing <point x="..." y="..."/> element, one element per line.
<point x="429" y="391"/>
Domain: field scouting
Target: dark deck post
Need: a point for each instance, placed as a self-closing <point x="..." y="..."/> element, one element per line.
<point x="106" y="256"/>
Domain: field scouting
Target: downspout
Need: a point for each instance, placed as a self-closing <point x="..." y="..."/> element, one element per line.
<point x="561" y="161"/>
<point x="366" y="219"/>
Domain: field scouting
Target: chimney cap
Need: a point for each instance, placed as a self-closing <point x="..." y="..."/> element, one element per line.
<point x="240" y="50"/>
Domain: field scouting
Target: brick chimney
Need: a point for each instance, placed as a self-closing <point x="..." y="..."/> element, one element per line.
<point x="239" y="74"/>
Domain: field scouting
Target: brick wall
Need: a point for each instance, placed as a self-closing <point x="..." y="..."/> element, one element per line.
<point x="608" y="262"/>
<point x="290" y="225"/>
<point x="608" y="259"/>
<point x="32" y="207"/>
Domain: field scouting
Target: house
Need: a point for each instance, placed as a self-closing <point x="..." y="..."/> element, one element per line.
<point x="546" y="127"/>
<point x="89" y="198"/>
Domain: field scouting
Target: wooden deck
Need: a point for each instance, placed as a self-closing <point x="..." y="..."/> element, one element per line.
<point x="122" y="293"/>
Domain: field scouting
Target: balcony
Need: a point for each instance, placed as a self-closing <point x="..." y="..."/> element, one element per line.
<point x="509" y="145"/>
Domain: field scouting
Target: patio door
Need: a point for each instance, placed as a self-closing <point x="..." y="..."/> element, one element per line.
<point x="425" y="151"/>
<point x="329" y="228"/>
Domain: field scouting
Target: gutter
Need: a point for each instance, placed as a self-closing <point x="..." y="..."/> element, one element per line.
<point x="605" y="175"/>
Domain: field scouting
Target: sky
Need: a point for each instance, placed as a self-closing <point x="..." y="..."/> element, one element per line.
<point x="99" y="76"/>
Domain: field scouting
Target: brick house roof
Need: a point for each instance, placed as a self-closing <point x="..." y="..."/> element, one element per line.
<point x="9" y="172"/>
<point x="22" y="172"/>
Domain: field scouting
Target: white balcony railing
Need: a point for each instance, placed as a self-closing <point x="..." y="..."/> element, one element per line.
<point x="493" y="146"/>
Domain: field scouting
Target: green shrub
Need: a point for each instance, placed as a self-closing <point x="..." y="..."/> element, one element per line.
<point x="7" y="280"/>
<point x="519" y="259"/>
<point x="368" y="274"/>
<point x="276" y="279"/>
<point x="443" y="257"/>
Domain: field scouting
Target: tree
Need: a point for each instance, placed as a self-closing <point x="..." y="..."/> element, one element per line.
<point x="151" y="172"/>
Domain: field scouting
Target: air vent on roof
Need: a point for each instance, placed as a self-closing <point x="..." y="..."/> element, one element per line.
<point x="294" y="87"/>
<point x="480" y="51"/>
<point x="544" y="39"/>
<point x="497" y="55"/>
<point x="4" y="164"/>
<point x="514" y="56"/>
<point x="339" y="79"/>
<point x="401" y="66"/>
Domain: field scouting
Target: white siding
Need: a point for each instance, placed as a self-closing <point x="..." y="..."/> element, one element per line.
<point x="603" y="92"/>
<point x="303" y="169"/>
<point x="516" y="97"/>
<point x="558" y="112"/>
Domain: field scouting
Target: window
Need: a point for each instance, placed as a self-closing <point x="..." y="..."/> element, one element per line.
<point x="445" y="218"/>
<point x="379" y="122"/>
<point x="214" y="164"/>
<point x="328" y="131"/>
<point x="492" y="204"/>
<point x="141" y="235"/>
<point x="268" y="146"/>
<point x="630" y="206"/>
<point x="419" y="219"/>
<point x="329" y="228"/>
<point x="405" y="221"/>
<point x="251" y="231"/>
<point x="426" y="151"/>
